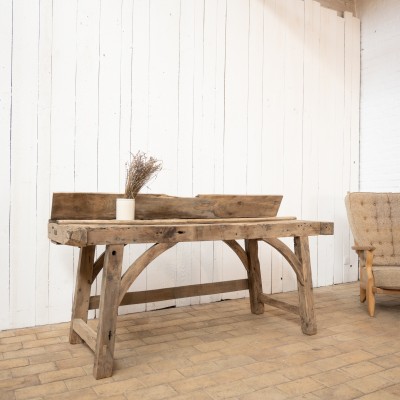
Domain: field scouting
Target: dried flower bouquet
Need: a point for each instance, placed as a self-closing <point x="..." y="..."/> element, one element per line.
<point x="139" y="171"/>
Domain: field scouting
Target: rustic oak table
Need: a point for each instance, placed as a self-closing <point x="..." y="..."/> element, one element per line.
<point x="86" y="220"/>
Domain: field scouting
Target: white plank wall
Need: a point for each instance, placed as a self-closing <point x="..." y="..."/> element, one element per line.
<point x="235" y="96"/>
<point x="380" y="97"/>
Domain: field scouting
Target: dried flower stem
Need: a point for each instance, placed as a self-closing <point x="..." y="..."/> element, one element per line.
<point x="139" y="171"/>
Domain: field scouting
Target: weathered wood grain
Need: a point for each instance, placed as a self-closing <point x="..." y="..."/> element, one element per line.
<point x="254" y="275"/>
<point x="82" y="290"/>
<point x="104" y="353"/>
<point x="278" y="303"/>
<point x="166" y="233"/>
<point x="169" y="221"/>
<point x="82" y="235"/>
<point x="180" y="292"/>
<point x="149" y="206"/>
<point x="306" y="297"/>
<point x="85" y="332"/>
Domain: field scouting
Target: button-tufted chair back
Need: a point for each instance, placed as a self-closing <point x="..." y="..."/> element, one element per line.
<point x="375" y="221"/>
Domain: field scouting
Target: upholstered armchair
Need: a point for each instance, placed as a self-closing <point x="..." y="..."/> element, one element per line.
<point x="375" y="223"/>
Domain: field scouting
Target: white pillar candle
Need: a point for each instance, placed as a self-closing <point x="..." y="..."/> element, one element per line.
<point x="125" y="209"/>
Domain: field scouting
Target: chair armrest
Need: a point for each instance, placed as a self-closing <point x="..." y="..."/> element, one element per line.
<point x="366" y="256"/>
<point x="363" y="248"/>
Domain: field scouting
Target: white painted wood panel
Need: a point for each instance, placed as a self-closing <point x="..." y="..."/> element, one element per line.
<point x="62" y="142"/>
<point x="5" y="156"/>
<point x="43" y="196"/>
<point x="273" y="120"/>
<point x="380" y="95"/>
<point x="237" y="96"/>
<point x="292" y="123"/>
<point x="311" y="131"/>
<point x="235" y="129"/>
<point x="163" y="121"/>
<point x="23" y="162"/>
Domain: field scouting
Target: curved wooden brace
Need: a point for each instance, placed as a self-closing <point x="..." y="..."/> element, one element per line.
<point x="238" y="249"/>
<point x="289" y="256"/>
<point x="139" y="265"/>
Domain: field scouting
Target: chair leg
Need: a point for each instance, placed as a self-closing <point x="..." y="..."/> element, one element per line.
<point x="370" y="283"/>
<point x="370" y="300"/>
<point x="363" y="294"/>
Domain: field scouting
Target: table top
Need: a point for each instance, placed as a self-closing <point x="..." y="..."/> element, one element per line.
<point x="95" y="232"/>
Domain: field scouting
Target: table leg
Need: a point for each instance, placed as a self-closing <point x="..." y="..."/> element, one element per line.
<point x="82" y="289"/>
<point x="306" y="297"/>
<point x="108" y="310"/>
<point x="254" y="276"/>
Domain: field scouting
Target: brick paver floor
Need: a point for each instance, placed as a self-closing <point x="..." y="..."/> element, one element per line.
<point x="219" y="351"/>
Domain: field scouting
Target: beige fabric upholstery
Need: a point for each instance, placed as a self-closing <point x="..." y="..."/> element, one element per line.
<point x="375" y="222"/>
<point x="386" y="277"/>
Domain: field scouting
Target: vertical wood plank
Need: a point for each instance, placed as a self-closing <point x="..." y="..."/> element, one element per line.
<point x="185" y="132"/>
<point x="87" y="102"/>
<point x="109" y="99"/>
<point x="254" y="155"/>
<point x="293" y="115"/>
<point x="108" y="167"/>
<point x="125" y="89"/>
<point x="109" y="301"/>
<point x="355" y="130"/>
<point x="197" y="132"/>
<point x="236" y="96"/>
<point x="235" y="129"/>
<point x="220" y="66"/>
<point x="311" y="131"/>
<point x="82" y="289"/>
<point x="339" y="208"/>
<point x="44" y="162"/>
<point x="351" y="128"/>
<point x="87" y="96"/>
<point x="63" y="109"/>
<point x="140" y="75"/>
<point x="204" y="162"/>
<point x="327" y="157"/>
<point x="218" y="141"/>
<point x="5" y="159"/>
<point x="125" y="126"/>
<point x="255" y="98"/>
<point x="140" y="109"/>
<point x="273" y="118"/>
<point x="23" y="160"/>
<point x="163" y="119"/>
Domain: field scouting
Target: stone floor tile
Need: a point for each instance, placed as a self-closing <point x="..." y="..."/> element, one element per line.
<point x="361" y="369"/>
<point x="45" y="390"/>
<point x="229" y="390"/>
<point x="119" y="387"/>
<point x="266" y="394"/>
<point x="370" y="383"/>
<point x="340" y="392"/>
<point x="265" y="380"/>
<point x="300" y="386"/>
<point x="215" y="351"/>
<point x="61" y="375"/>
<point x="152" y="393"/>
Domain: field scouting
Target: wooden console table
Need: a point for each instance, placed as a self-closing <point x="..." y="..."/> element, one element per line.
<point x="86" y="220"/>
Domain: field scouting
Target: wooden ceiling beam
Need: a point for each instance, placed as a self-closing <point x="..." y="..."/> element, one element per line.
<point x="339" y="5"/>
